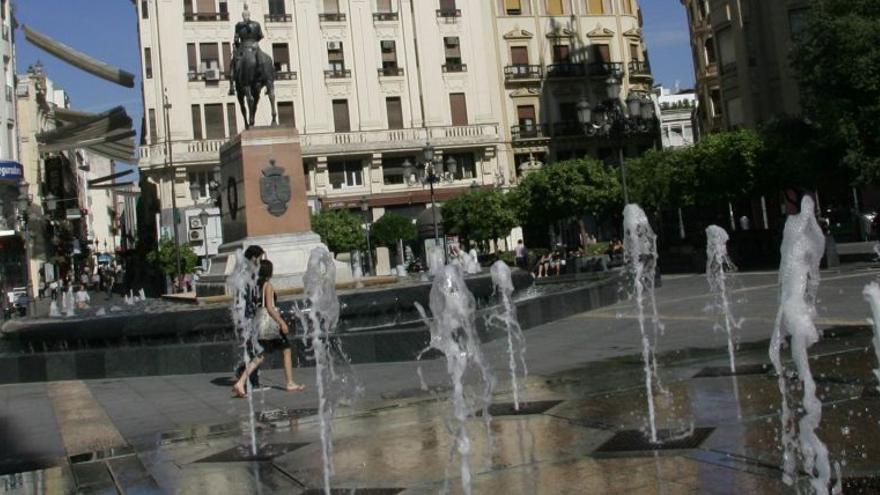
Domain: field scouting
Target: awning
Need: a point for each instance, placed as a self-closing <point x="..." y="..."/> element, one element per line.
<point x="11" y="171"/>
<point x="79" y="59"/>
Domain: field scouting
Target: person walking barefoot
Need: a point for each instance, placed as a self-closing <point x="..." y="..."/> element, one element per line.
<point x="268" y="299"/>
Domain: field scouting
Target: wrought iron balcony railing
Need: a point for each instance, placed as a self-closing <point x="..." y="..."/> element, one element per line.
<point x="337" y="74"/>
<point x="455" y="67"/>
<point x="602" y="69"/>
<point x="639" y="68"/>
<point x="390" y="71"/>
<point x="385" y="16"/>
<point x="278" y="18"/>
<point x="522" y="71"/>
<point x="565" y="69"/>
<point x="332" y="17"/>
<point x="205" y="16"/>
<point x="529" y="131"/>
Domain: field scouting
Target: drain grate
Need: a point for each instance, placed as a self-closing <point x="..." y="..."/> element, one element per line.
<point x="741" y="370"/>
<point x="354" y="491"/>
<point x="199" y="432"/>
<point x="102" y="455"/>
<point x="242" y="453"/>
<point x="525" y="408"/>
<point x="638" y="441"/>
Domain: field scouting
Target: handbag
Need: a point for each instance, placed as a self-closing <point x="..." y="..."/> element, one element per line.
<point x="265" y="326"/>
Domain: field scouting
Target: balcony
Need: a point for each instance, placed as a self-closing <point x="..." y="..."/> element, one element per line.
<point x="390" y="71"/>
<point x="333" y="17"/>
<point x="205" y="16"/>
<point x="605" y="69"/>
<point x="398" y="139"/>
<point x="285" y="75"/>
<point x="385" y="16"/>
<point x="459" y="67"/>
<point x="639" y="69"/>
<point x="521" y="72"/>
<point x="449" y="13"/>
<point x="567" y="129"/>
<point x="524" y="132"/>
<point x="206" y="75"/>
<point x="274" y="18"/>
<point x="337" y="74"/>
<point x="203" y="152"/>
<point x="565" y="69"/>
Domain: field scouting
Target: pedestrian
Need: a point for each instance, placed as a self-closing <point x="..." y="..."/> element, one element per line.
<point x="253" y="255"/>
<point x="267" y="300"/>
<point x="520" y="253"/>
<point x="744" y="223"/>
<point x="42" y="290"/>
<point x="53" y="290"/>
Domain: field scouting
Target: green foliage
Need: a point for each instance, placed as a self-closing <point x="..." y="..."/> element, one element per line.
<point x="165" y="258"/>
<point x="481" y="215"/>
<point x="566" y="190"/>
<point x="837" y="59"/>
<point x="796" y="154"/>
<point x="391" y="227"/>
<point x="341" y="230"/>
<point x="661" y="178"/>
<point x="597" y="248"/>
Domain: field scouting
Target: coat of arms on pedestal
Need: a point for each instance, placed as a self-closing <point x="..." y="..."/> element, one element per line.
<point x="275" y="189"/>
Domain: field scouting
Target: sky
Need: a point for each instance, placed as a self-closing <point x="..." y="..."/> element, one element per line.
<point x="107" y="30"/>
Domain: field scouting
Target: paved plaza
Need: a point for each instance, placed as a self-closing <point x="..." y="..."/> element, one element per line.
<point x="185" y="434"/>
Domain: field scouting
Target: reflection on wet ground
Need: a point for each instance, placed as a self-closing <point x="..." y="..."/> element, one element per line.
<point x="553" y="446"/>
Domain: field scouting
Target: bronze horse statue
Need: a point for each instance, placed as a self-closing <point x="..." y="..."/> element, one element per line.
<point x="252" y="70"/>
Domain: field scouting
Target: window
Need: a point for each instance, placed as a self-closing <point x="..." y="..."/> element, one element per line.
<point x="205" y="6"/>
<point x="466" y="167"/>
<point x="513" y="7"/>
<point x="383" y="6"/>
<point x="709" y="47"/>
<point x="202" y="178"/>
<point x="345" y="174"/>
<point x="392" y="168"/>
<point x="148" y="63"/>
<point x="187" y="8"/>
<point x="335" y="56"/>
<point x="210" y="54"/>
<point x="227" y="57"/>
<point x="453" y="50"/>
<point x="726" y="50"/>
<point x="597" y="7"/>
<point x="389" y="56"/>
<point x="458" y="108"/>
<point x="231" y="121"/>
<point x="285" y="114"/>
<point x="281" y="57"/>
<point x="154" y="134"/>
<point x="519" y="55"/>
<point x="145" y="9"/>
<point x="395" y="112"/>
<point x="635" y="52"/>
<point x="340" y="116"/>
<point x="214" y="121"/>
<point x="331" y="6"/>
<point x="192" y="62"/>
<point x="601" y="53"/>
<point x="526" y="116"/>
<point x="554" y="7"/>
<point x="197" y="122"/>
<point x="627" y="6"/>
<point x="561" y="54"/>
<point x="715" y="95"/>
<point x="276" y="7"/>
<point x="447" y="5"/>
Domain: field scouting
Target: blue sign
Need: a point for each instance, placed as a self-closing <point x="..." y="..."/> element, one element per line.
<point x="11" y="171"/>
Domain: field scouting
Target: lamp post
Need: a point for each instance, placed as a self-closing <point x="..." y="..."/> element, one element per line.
<point x="24" y="203"/>
<point x="613" y="120"/>
<point x="431" y="172"/>
<point x="204" y="216"/>
<point x="365" y="210"/>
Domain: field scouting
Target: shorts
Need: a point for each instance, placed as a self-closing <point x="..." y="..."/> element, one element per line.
<point x="275" y="345"/>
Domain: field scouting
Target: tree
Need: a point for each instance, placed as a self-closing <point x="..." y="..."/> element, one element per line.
<point x="390" y="227"/>
<point x="661" y="179"/>
<point x="341" y="230"/>
<point x="797" y="155"/>
<point x="481" y="215"/>
<point x="567" y="190"/>
<point x="725" y="165"/>
<point x="837" y="60"/>
<point x="165" y="258"/>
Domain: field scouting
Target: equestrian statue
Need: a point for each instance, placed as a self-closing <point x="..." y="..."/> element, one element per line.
<point x="251" y="70"/>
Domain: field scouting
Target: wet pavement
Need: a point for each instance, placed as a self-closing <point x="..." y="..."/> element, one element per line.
<point x="581" y="433"/>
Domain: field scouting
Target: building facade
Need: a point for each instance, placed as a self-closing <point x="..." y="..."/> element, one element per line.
<point x="741" y="53"/>
<point x="368" y="83"/>
<point x="678" y="110"/>
<point x="9" y="133"/>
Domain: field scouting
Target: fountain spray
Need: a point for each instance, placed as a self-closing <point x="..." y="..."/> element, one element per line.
<point x="640" y="259"/>
<point x="242" y="284"/>
<point x="454" y="333"/>
<point x="718" y="266"/>
<point x="506" y="317"/>
<point x="802" y="247"/>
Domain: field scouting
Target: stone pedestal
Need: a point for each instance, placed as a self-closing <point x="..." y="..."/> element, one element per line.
<point x="264" y="203"/>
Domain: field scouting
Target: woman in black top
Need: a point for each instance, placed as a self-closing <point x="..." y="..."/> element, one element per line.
<point x="268" y="299"/>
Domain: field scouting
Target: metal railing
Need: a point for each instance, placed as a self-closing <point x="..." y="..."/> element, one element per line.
<point x="640" y="68"/>
<point x="449" y="13"/>
<point x="385" y="16"/>
<point x="286" y="75"/>
<point x="565" y="69"/>
<point x="568" y="129"/>
<point x="278" y="18"/>
<point x="606" y="69"/>
<point x="332" y="17"/>
<point x="529" y="131"/>
<point x="337" y="73"/>
<point x="390" y="71"/>
<point x="523" y="71"/>
<point x="205" y="16"/>
<point x="455" y="67"/>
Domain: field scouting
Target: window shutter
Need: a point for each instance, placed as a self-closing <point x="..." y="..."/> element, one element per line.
<point x="331" y="6"/>
<point x="341" y="121"/>
<point x="554" y="7"/>
<point x="596" y="7"/>
<point x="395" y="113"/>
<point x="214" y="125"/>
<point x="197" y="122"/>
<point x="206" y="6"/>
<point x="458" y="107"/>
<point x="192" y="62"/>
<point x="286" y="117"/>
<point x="383" y="6"/>
<point x="231" y="121"/>
<point x="519" y="55"/>
<point x="526" y="114"/>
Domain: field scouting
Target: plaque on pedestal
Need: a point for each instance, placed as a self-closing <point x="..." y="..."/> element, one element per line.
<point x="264" y="203"/>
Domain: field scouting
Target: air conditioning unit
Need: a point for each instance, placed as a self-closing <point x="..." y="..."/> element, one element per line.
<point x="195" y="223"/>
<point x="212" y="74"/>
<point x="195" y="235"/>
<point x="334" y="45"/>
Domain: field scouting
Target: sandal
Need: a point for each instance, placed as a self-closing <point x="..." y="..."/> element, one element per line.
<point x="296" y="388"/>
<point x="240" y="393"/>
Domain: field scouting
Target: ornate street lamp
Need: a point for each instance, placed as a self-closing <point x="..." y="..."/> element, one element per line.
<point x="24" y="204"/>
<point x="204" y="216"/>
<point x="365" y="210"/>
<point x="431" y="172"/>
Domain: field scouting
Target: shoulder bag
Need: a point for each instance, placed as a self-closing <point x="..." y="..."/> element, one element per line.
<point x="265" y="326"/>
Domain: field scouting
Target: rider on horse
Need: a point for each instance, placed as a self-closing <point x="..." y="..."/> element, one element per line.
<point x="248" y="34"/>
<point x="251" y="70"/>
